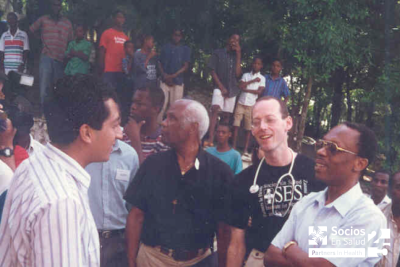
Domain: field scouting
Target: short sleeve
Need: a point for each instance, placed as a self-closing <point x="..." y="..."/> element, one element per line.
<point x="36" y="25"/>
<point x="2" y="42"/>
<point x="237" y="205"/>
<point x="26" y="42"/>
<point x="104" y="40"/>
<point x="286" y="234"/>
<point x="243" y="77"/>
<point x="212" y="63"/>
<point x="137" y="192"/>
<point x="262" y="82"/>
<point x="239" y="164"/>
<point x="285" y="89"/>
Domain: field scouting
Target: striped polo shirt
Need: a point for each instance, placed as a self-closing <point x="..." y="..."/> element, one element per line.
<point x="13" y="48"/>
<point x="56" y="34"/>
<point x="46" y="218"/>
<point x="276" y="88"/>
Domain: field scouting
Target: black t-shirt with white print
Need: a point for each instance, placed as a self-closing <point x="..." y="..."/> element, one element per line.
<point x="242" y="204"/>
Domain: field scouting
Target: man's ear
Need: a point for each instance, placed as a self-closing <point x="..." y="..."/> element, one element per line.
<point x="289" y="123"/>
<point x="86" y="133"/>
<point x="360" y="164"/>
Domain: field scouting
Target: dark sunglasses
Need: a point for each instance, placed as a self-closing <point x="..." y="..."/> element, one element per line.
<point x="331" y="147"/>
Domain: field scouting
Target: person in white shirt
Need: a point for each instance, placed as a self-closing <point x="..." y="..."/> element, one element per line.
<point x="252" y="84"/>
<point x="380" y="183"/>
<point x="47" y="219"/>
<point x="339" y="218"/>
<point x="392" y="214"/>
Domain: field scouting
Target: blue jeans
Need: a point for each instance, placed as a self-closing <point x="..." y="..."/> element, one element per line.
<point x="50" y="70"/>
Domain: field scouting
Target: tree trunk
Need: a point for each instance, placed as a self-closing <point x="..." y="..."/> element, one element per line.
<point x="303" y="117"/>
<point x="337" y="81"/>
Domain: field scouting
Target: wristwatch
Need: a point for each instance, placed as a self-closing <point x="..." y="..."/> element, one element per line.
<point x="6" y="152"/>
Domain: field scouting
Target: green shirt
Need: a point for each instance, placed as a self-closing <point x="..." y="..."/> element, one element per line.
<point x="75" y="64"/>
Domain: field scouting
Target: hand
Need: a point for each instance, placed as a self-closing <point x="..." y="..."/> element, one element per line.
<point x="237" y="48"/>
<point x="7" y="137"/>
<point x="132" y="129"/>
<point x="153" y="53"/>
<point x="21" y="67"/>
<point x="257" y="80"/>
<point x="224" y="92"/>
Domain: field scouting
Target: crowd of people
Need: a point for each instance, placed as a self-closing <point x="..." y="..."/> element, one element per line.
<point x="137" y="175"/>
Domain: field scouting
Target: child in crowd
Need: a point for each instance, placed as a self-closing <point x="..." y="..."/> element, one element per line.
<point x="223" y="151"/>
<point x="145" y="62"/>
<point x="275" y="85"/>
<point x="252" y="84"/>
<point x="78" y="53"/>
<point x="127" y="61"/>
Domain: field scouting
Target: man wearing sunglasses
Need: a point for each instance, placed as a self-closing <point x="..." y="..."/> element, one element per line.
<point x="339" y="218"/>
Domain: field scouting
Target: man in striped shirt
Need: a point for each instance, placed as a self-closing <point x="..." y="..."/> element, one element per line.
<point x="47" y="219"/>
<point x="56" y="33"/>
<point x="14" y="46"/>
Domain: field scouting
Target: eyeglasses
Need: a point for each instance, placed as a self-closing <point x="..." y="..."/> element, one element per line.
<point x="332" y="147"/>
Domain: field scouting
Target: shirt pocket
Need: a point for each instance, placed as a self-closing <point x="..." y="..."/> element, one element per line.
<point x="122" y="175"/>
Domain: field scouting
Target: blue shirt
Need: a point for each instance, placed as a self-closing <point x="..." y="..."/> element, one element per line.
<point x="108" y="185"/>
<point x="315" y="225"/>
<point x="275" y="88"/>
<point x="230" y="157"/>
<point x="172" y="58"/>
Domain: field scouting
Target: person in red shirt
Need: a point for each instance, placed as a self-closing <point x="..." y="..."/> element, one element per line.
<point x="111" y="53"/>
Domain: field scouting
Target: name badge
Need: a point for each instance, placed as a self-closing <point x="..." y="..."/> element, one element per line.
<point x="123" y="175"/>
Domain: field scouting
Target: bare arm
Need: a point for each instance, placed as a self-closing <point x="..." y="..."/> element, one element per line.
<point x="237" y="248"/>
<point x="297" y="257"/>
<point x="223" y="236"/>
<point x="134" y="225"/>
<point x="274" y="257"/>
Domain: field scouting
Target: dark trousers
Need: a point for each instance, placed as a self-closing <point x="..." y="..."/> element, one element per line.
<point x="113" y="251"/>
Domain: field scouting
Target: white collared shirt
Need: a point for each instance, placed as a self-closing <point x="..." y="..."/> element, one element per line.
<point x="351" y="211"/>
<point x="386" y="200"/>
<point x="392" y="257"/>
<point x="34" y="146"/>
<point x="46" y="219"/>
<point x="248" y="99"/>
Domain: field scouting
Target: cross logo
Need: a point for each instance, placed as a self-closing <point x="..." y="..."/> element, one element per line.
<point x="318" y="235"/>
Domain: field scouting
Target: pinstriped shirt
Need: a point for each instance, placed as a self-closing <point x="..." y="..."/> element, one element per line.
<point x="46" y="218"/>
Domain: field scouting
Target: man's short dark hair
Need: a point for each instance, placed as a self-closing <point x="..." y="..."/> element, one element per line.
<point x="283" y="107"/>
<point x="13" y="14"/>
<point x="367" y="142"/>
<point x="128" y="42"/>
<point x="258" y="57"/>
<point x="277" y="59"/>
<point x="144" y="37"/>
<point x="116" y="12"/>
<point x="77" y="100"/>
<point x="84" y="27"/>
<point x="383" y="171"/>
<point x="156" y="95"/>
<point x="225" y="125"/>
<point x="23" y="121"/>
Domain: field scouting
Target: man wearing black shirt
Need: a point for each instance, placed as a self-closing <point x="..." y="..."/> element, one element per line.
<point x="178" y="197"/>
<point x="268" y="200"/>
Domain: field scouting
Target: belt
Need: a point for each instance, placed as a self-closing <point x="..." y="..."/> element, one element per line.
<point x="182" y="254"/>
<point x="110" y="233"/>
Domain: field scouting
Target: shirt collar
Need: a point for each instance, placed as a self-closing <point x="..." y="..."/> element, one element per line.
<point x="15" y="32"/>
<point x="343" y="203"/>
<point x="269" y="77"/>
<point x="70" y="165"/>
<point x="31" y="147"/>
<point x="116" y="147"/>
<point x="200" y="158"/>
